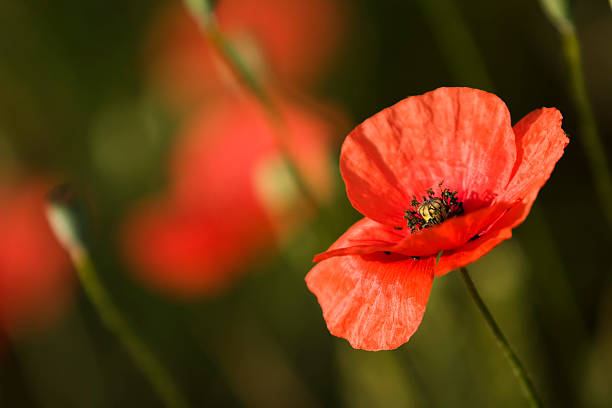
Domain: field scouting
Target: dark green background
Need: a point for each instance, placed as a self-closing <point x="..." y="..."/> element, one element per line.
<point x="70" y="69"/>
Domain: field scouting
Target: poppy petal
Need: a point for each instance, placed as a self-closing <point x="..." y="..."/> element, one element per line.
<point x="471" y="252"/>
<point x="452" y="233"/>
<point x="540" y="142"/>
<point x="364" y="237"/>
<point x="459" y="136"/>
<point x="477" y="248"/>
<point x="368" y="236"/>
<point x="375" y="301"/>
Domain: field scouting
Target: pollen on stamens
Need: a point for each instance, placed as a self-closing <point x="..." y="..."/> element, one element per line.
<point x="433" y="209"/>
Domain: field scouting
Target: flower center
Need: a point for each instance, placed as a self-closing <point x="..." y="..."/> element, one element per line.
<point x="433" y="210"/>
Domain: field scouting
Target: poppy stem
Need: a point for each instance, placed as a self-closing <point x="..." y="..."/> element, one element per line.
<point x="63" y="215"/>
<point x="203" y="12"/>
<point x="517" y="367"/>
<point x="589" y="134"/>
<point x="141" y="354"/>
<point x="560" y="16"/>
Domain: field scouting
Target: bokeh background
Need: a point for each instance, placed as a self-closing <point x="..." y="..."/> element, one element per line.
<point x="203" y="241"/>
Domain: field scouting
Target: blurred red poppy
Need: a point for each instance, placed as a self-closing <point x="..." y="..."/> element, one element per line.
<point x="289" y="40"/>
<point x="230" y="196"/>
<point x="35" y="272"/>
<point x="444" y="171"/>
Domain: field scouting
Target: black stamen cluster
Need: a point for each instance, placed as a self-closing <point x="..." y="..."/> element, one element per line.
<point x="445" y="206"/>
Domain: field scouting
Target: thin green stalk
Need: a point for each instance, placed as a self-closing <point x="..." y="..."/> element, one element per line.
<point x="65" y="218"/>
<point x="589" y="135"/>
<point x="202" y="11"/>
<point x="559" y="14"/>
<point x="141" y="354"/>
<point x="515" y="363"/>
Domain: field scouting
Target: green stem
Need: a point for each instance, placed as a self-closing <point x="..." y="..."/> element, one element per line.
<point x="589" y="135"/>
<point x="517" y="367"/>
<point x="202" y="11"/>
<point x="456" y="43"/>
<point x="140" y="353"/>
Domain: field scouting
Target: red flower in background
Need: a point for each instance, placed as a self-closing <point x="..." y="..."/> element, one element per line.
<point x="289" y="40"/>
<point x="444" y="171"/>
<point x="229" y="196"/>
<point x="35" y="272"/>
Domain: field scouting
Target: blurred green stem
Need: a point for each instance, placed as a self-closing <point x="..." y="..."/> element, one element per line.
<point x="142" y="356"/>
<point x="517" y="367"/>
<point x="66" y="214"/>
<point x="589" y="135"/>
<point x="202" y="11"/>
<point x="456" y="43"/>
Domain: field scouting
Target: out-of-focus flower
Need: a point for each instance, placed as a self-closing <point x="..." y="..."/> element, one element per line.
<point x="230" y="196"/>
<point x="288" y="40"/>
<point x="444" y="171"/>
<point x="35" y="273"/>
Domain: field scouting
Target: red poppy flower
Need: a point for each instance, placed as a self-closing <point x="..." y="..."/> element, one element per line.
<point x="35" y="273"/>
<point x="444" y="171"/>
<point x="291" y="38"/>
<point x="229" y="197"/>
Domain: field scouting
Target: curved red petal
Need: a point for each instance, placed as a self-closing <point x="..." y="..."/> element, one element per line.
<point x="471" y="252"/>
<point x="363" y="237"/>
<point x="475" y="249"/>
<point x="540" y="142"/>
<point x="367" y="236"/>
<point x="459" y="136"/>
<point x="376" y="301"/>
<point x="452" y="233"/>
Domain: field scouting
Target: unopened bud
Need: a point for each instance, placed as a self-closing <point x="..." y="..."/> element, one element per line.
<point x="65" y="217"/>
